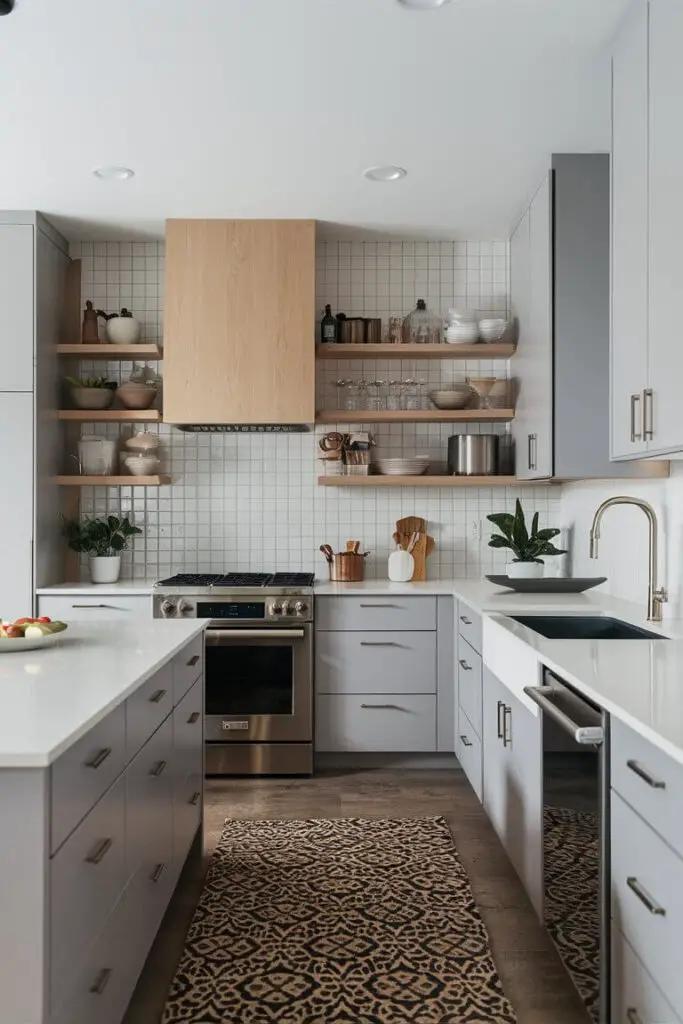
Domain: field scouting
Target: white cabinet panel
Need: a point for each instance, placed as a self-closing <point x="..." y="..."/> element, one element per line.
<point x="401" y="723"/>
<point x="470" y="626"/>
<point x="375" y="662"/>
<point x="16" y="515"/>
<point x="629" y="329"/>
<point x="468" y="750"/>
<point x="469" y="684"/>
<point x="379" y="611"/>
<point x="95" y="607"/>
<point x="635" y="996"/>
<point x="16" y="303"/>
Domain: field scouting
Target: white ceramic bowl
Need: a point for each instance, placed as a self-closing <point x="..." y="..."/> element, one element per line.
<point x="9" y="645"/>
<point x="137" y="396"/>
<point x="462" y="315"/>
<point x="462" y="336"/>
<point x="142" y="465"/>
<point x="456" y="397"/>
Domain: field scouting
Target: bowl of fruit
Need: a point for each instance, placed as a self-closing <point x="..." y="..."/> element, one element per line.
<point x="28" y="634"/>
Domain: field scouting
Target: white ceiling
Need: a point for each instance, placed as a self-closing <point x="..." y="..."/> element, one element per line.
<point x="273" y="108"/>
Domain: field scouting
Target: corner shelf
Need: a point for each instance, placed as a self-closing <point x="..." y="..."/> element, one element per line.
<point x="112" y="481"/>
<point x="110" y="415"/>
<point x="418" y="416"/>
<point x="428" y="481"/>
<point x="106" y="351"/>
<point x="482" y="350"/>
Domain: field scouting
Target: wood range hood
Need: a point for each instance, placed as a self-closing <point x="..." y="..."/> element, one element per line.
<point x="239" y="325"/>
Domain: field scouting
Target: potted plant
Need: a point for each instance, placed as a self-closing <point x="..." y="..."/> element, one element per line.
<point x="528" y="546"/>
<point x="122" y="328"/>
<point x="92" y="392"/>
<point x="102" y="540"/>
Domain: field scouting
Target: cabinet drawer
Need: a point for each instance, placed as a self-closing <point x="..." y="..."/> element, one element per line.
<point x="468" y="750"/>
<point x="647" y="898"/>
<point x="96" y="608"/>
<point x="379" y="612"/>
<point x="82" y="774"/>
<point x="375" y="662"/>
<point x="649" y="781"/>
<point x="87" y="877"/>
<point x="149" y="805"/>
<point x="104" y="984"/>
<point x="469" y="626"/>
<point x="147" y="708"/>
<point x="188" y="665"/>
<point x="389" y="722"/>
<point x="635" y="996"/>
<point x="187" y="814"/>
<point x="188" y="733"/>
<point x="469" y="683"/>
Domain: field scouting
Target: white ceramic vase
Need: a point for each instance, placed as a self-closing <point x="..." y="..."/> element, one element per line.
<point x="123" y="330"/>
<point x="525" y="570"/>
<point x="104" y="568"/>
<point x="401" y="566"/>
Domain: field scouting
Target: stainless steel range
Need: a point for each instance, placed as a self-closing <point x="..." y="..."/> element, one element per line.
<point x="258" y="713"/>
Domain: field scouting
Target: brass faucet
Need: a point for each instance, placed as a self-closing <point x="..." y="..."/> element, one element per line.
<point x="655" y="597"/>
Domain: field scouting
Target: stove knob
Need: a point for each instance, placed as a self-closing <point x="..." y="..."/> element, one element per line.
<point x="300" y="607"/>
<point x="276" y="608"/>
<point x="184" y="606"/>
<point x="286" y="608"/>
<point x="168" y="609"/>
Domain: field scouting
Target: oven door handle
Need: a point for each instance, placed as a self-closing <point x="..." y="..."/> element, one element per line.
<point x="586" y="734"/>
<point x="218" y="636"/>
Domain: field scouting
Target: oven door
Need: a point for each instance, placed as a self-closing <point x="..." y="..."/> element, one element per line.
<point x="258" y="684"/>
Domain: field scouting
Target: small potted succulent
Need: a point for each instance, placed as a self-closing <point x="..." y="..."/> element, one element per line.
<point x="92" y="392"/>
<point x="528" y="546"/>
<point x="102" y="540"/>
<point x="122" y="328"/>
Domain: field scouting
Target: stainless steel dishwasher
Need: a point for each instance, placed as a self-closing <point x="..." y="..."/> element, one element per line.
<point x="576" y="837"/>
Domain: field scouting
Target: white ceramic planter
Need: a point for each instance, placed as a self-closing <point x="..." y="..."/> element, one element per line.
<point x="105" y="569"/>
<point x="123" y="330"/>
<point x="525" y="570"/>
<point x="401" y="566"/>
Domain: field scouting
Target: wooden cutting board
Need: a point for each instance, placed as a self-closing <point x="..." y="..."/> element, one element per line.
<point x="405" y="528"/>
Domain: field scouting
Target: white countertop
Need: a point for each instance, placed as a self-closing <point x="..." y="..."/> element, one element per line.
<point x="51" y="697"/>
<point x="128" y="588"/>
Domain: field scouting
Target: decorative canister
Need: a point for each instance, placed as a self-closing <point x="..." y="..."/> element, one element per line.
<point x="401" y="566"/>
<point x="123" y="328"/>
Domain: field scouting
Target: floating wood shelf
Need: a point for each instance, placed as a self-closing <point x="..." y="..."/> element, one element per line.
<point x="497" y="350"/>
<point x="419" y="416"/>
<point x="104" y="351"/>
<point x="110" y="415"/>
<point x="112" y="481"/>
<point x="428" y="481"/>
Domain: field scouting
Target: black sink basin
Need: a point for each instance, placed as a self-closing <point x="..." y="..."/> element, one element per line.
<point x="584" y="627"/>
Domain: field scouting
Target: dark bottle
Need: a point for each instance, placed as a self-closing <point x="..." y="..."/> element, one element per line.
<point x="328" y="326"/>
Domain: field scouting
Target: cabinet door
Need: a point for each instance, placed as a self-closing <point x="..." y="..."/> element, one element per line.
<point x="16" y="303"/>
<point x="662" y="420"/>
<point x="16" y="516"/>
<point x="629" y="327"/>
<point x="239" y="321"/>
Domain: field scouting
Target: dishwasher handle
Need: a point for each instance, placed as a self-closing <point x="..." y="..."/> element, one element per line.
<point x="590" y="735"/>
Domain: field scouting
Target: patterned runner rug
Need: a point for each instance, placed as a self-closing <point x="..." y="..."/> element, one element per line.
<point x="349" y="921"/>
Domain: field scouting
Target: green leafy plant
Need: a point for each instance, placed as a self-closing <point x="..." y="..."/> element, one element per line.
<point x="99" y="537"/>
<point x="526" y="545"/>
<point x="111" y="316"/>
<point x="92" y="382"/>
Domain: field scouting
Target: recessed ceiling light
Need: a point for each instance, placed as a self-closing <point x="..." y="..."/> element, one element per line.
<point x="423" y="5"/>
<point x="387" y="172"/>
<point x="114" y="173"/>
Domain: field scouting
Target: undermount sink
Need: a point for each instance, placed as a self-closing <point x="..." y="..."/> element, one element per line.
<point x="584" y="627"/>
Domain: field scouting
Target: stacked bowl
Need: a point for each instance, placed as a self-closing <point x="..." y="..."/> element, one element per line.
<point x="492" y="329"/>
<point x="462" y="328"/>
<point x="414" y="466"/>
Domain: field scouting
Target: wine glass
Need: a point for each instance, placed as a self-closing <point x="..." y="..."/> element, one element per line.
<point x="482" y="386"/>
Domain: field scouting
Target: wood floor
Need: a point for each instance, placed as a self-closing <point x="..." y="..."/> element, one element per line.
<point x="531" y="972"/>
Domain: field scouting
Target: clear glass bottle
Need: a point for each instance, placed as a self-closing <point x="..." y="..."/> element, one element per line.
<point x="421" y="327"/>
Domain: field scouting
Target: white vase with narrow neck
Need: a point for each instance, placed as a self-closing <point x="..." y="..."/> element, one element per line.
<point x="105" y="568"/>
<point x="524" y="570"/>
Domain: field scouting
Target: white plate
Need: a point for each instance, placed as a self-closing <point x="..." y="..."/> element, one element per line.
<point x="12" y="645"/>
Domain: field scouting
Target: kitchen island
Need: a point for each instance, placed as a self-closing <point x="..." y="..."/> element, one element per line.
<point x="101" y="783"/>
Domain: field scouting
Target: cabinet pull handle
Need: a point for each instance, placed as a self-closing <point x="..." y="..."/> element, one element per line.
<point x="634" y="436"/>
<point x="645" y="775"/>
<point x="101" y="982"/>
<point x="465" y="741"/>
<point x="379" y="606"/>
<point x="507" y="717"/>
<point x="528" y="451"/>
<point x="161" y="766"/>
<point x="378" y="643"/>
<point x="654" y="908"/>
<point x="632" y="1016"/>
<point x="194" y="717"/>
<point x="648" y="414"/>
<point x="500" y="727"/>
<point x="99" y="758"/>
<point x="534" y="448"/>
<point x="193" y="661"/>
<point x="463" y="664"/>
<point x="112" y="606"/>
<point x="194" y="799"/>
<point x="99" y="852"/>
<point x="468" y="622"/>
<point x="390" y="707"/>
<point x="157" y="873"/>
<point x="157" y="697"/>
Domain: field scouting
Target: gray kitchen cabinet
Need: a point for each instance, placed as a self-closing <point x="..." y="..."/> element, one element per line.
<point x="16" y="302"/>
<point x="469" y="683"/>
<point x="375" y="662"/>
<point x="386" y="723"/>
<point x="468" y="752"/>
<point x="636" y="999"/>
<point x="98" y="606"/>
<point x="512" y="787"/>
<point x="188" y="771"/>
<point x="16" y="516"/>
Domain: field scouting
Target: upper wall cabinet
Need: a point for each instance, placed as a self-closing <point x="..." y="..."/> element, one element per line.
<point x="239" y="325"/>
<point x="647" y="221"/>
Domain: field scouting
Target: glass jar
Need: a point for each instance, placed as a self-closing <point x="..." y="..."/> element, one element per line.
<point x="394" y="396"/>
<point x="412" y="398"/>
<point x="352" y="397"/>
<point x="421" y="327"/>
<point x="373" y="400"/>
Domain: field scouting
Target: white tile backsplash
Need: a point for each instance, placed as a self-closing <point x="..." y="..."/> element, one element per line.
<point x="251" y="501"/>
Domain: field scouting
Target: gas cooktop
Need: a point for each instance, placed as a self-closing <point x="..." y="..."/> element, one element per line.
<point x="237" y="579"/>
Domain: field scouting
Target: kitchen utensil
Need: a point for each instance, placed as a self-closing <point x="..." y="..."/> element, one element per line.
<point x="352" y="330"/>
<point x="506" y="455"/>
<point x="141" y="465"/>
<point x="348" y="567"/>
<point x="473" y="454"/>
<point x="137" y="396"/>
<point x="456" y="397"/>
<point x="96" y="456"/>
<point x="548" y="585"/>
<point x="412" y="542"/>
<point x="401" y="566"/>
<point x="327" y="551"/>
<point x="92" y="398"/>
<point x="422" y="327"/>
<point x="331" y="442"/>
<point x="373" y="330"/>
<point x="482" y="385"/>
<point x="353" y="546"/>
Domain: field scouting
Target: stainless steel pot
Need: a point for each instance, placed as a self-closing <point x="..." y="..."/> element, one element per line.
<point x="473" y="454"/>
